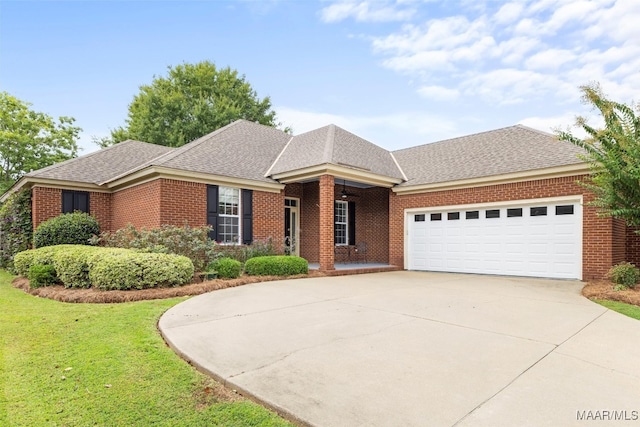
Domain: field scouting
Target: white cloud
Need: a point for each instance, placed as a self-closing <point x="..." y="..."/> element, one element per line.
<point x="519" y="50"/>
<point x="366" y="11"/>
<point x="509" y="12"/>
<point x="550" y="59"/>
<point x="440" y="93"/>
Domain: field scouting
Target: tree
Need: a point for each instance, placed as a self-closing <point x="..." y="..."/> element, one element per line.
<point x="613" y="154"/>
<point x="192" y="101"/>
<point x="31" y="140"/>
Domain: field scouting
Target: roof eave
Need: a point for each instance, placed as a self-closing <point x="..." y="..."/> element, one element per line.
<point x="27" y="182"/>
<point x="154" y="172"/>
<point x="530" y="175"/>
<point x="341" y="172"/>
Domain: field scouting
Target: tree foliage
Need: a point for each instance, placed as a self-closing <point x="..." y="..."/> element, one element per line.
<point x="613" y="154"/>
<point x="16" y="229"/>
<point x="192" y="101"/>
<point x="30" y="140"/>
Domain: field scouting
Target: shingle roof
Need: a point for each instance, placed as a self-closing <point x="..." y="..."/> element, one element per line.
<point x="334" y="145"/>
<point x="103" y="165"/>
<point x="241" y="149"/>
<point x="248" y="150"/>
<point x="507" y="150"/>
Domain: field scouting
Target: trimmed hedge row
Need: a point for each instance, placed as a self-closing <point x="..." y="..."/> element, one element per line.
<point x="79" y="266"/>
<point x="281" y="265"/>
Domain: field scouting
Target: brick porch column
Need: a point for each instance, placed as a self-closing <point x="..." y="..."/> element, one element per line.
<point x="326" y="223"/>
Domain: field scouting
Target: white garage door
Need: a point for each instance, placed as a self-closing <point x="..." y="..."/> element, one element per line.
<point x="529" y="239"/>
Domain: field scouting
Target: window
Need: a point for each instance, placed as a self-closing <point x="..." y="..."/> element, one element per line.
<point x="436" y="217"/>
<point x="229" y="215"/>
<point x="290" y="202"/>
<point x="492" y="213"/>
<point x="538" y="211"/>
<point x="564" y="210"/>
<point x="341" y="220"/>
<point x="472" y="215"/>
<point x="514" y="212"/>
<point x="75" y="201"/>
<point x="453" y="216"/>
<point x="419" y="218"/>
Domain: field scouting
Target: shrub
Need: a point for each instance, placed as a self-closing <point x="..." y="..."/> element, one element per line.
<point x="227" y="268"/>
<point x="71" y="228"/>
<point x="107" y="268"/>
<point x="276" y="266"/>
<point x="243" y="253"/>
<point x="192" y="242"/>
<point x="134" y="270"/>
<point x="44" y="256"/>
<point x="42" y="275"/>
<point x="625" y="274"/>
<point x="72" y="264"/>
<point x="16" y="229"/>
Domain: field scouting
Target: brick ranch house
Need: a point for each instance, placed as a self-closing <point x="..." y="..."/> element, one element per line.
<point x="504" y="202"/>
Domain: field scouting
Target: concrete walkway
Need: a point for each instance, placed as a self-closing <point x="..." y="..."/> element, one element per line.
<point x="417" y="349"/>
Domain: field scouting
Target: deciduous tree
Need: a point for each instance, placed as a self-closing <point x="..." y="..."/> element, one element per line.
<point x="613" y="154"/>
<point x="191" y="101"/>
<point x="31" y="140"/>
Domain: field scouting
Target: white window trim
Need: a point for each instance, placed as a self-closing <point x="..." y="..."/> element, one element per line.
<point x="346" y="223"/>
<point x="239" y="216"/>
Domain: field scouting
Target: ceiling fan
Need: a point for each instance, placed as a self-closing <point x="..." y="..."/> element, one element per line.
<point x="344" y="193"/>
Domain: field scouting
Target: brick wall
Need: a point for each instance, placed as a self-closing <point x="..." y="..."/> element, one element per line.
<point x="46" y="203"/>
<point x="309" y="221"/>
<point x="182" y="201"/>
<point x="632" y="247"/>
<point x="268" y="218"/>
<point x="100" y="207"/>
<point x="138" y="205"/>
<point x="598" y="233"/>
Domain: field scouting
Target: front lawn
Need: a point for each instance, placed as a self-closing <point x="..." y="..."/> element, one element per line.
<point x="103" y="364"/>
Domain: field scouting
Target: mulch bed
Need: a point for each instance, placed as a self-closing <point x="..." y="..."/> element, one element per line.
<point x="62" y="294"/>
<point x="603" y="289"/>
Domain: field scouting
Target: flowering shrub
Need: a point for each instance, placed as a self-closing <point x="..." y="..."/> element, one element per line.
<point x="625" y="274"/>
<point x="192" y="242"/>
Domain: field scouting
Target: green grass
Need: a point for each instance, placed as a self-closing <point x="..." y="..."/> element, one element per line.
<point x="626" y="309"/>
<point x="121" y="372"/>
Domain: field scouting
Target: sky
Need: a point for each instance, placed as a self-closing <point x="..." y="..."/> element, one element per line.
<point x="398" y="73"/>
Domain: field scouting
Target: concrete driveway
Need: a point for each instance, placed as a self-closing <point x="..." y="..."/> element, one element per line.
<point x="417" y="349"/>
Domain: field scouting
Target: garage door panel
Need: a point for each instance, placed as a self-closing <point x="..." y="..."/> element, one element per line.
<point x="539" y="245"/>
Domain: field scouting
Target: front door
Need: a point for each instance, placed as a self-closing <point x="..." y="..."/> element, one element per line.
<point x="291" y="226"/>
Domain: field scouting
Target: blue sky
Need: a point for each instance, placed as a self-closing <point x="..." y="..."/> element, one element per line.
<point x="398" y="73"/>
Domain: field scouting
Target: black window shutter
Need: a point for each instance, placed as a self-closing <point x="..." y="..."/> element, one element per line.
<point x="212" y="210"/>
<point x="352" y="223"/>
<point x="81" y="202"/>
<point x="247" y="217"/>
<point x="67" y="201"/>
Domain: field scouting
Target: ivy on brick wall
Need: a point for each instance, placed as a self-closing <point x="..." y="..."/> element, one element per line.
<point x="16" y="228"/>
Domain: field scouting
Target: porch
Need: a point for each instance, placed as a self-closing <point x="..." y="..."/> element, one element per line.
<point x="345" y="269"/>
<point x="338" y="224"/>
